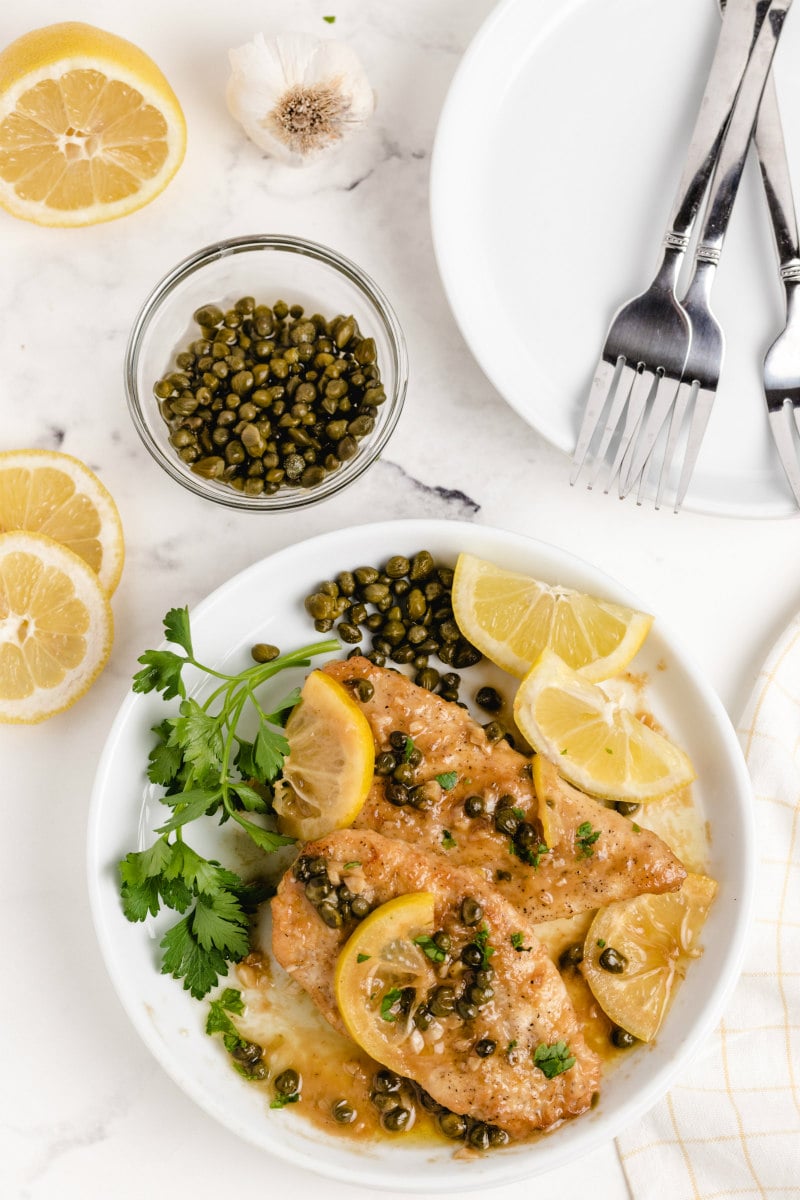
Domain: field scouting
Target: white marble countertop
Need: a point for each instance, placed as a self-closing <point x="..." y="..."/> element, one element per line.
<point x="83" y="1107"/>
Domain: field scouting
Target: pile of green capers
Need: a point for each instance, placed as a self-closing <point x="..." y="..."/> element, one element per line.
<point x="249" y="1058"/>
<point x="267" y="398"/>
<point x="405" y="608"/>
<point x="393" y="1096"/>
<point x="335" y="905"/>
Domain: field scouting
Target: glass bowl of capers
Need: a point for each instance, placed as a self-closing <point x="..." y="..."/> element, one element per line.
<point x="265" y="372"/>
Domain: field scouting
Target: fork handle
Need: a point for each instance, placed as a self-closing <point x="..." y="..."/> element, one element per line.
<point x="740" y="28"/>
<point x="774" y="164"/>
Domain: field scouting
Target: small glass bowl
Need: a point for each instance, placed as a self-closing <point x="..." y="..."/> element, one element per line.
<point x="269" y="268"/>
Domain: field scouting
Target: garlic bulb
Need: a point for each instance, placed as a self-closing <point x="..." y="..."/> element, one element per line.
<point x="296" y="95"/>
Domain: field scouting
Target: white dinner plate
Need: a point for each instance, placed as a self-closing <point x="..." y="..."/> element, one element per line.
<point x="265" y="603"/>
<point x="556" y="162"/>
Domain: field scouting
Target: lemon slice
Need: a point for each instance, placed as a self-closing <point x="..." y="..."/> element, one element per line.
<point x="89" y="127"/>
<point x="55" y="627"/>
<point x="379" y="960"/>
<point x="512" y="618"/>
<point x="595" y="743"/>
<point x="44" y="491"/>
<point x="654" y="937"/>
<point x="331" y="760"/>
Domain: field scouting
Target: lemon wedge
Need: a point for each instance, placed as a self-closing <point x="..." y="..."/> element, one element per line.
<point x="56" y="627"/>
<point x="328" y="771"/>
<point x="595" y="743"/>
<point x="512" y="618"/>
<point x="89" y="127"/>
<point x="44" y="491"/>
<point x="378" y="962"/>
<point x="653" y="938"/>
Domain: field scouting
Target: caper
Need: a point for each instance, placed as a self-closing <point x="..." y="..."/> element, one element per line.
<point x="404" y="773"/>
<point x="247" y="1052"/>
<point x="571" y="956"/>
<point x="348" y="633"/>
<point x="484" y="976"/>
<point x="396" y="1119"/>
<point x="397" y="565"/>
<point x="425" y="794"/>
<point x="263" y="652"/>
<point x="398" y="740"/>
<point x="497" y="1137"/>
<point x="489" y="698"/>
<point x="611" y="960"/>
<point x="343" y="1112"/>
<point x="472" y="955"/>
<point x="210" y="315"/>
<point x="318" y="889"/>
<point x="257" y="1070"/>
<point x="452" y="1125"/>
<point x="427" y="678"/>
<point x="494" y="731"/>
<point x="423" y="1017"/>
<point x="288" y="1082"/>
<point x="386" y="1081"/>
<point x="318" y="605"/>
<point x="626" y="808"/>
<point x="471" y="911"/>
<point x="479" y="1137"/>
<point x="359" y="907"/>
<point x="385" y="763"/>
<point x="485" y="1047"/>
<point x="442" y="1000"/>
<point x="422" y="565"/>
<point x="396" y="793"/>
<point x="479" y="995"/>
<point x="442" y="939"/>
<point x="505" y="819"/>
<point x="466" y="1009"/>
<point x="621" y="1038"/>
<point x="331" y="915"/>
<point x="364" y="689"/>
<point x="526" y="836"/>
<point x="474" y="806"/>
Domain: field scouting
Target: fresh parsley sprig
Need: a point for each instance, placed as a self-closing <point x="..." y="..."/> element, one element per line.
<point x="207" y="768"/>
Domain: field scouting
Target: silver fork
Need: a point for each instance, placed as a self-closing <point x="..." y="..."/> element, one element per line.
<point x="782" y="362"/>
<point x="649" y="339"/>
<point x="698" y="387"/>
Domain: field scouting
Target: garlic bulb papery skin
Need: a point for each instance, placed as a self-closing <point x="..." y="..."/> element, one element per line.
<point x="296" y="95"/>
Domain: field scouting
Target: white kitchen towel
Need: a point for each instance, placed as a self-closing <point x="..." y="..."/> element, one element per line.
<point x="731" y="1128"/>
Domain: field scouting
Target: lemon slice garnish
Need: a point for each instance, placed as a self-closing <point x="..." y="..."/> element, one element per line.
<point x="44" y="491"/>
<point x="328" y="771"/>
<point x="378" y="962"/>
<point x="89" y="127"/>
<point x="512" y="618"/>
<point x="653" y="938"/>
<point x="595" y="743"/>
<point x="55" y="627"/>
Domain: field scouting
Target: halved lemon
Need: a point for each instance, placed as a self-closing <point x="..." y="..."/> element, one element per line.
<point x="330" y="765"/>
<point x="89" y="127"/>
<point x="44" y="491"/>
<point x="56" y="627"/>
<point x="378" y="962"/>
<point x="512" y="618"/>
<point x="653" y="937"/>
<point x="595" y="743"/>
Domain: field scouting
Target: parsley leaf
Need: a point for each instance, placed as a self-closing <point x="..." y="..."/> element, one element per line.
<point x="553" y="1060"/>
<point x="388" y="1002"/>
<point x="481" y="940"/>
<point x="206" y="769"/>
<point x="362" y="957"/>
<point x="528" y="854"/>
<point x="428" y="946"/>
<point x="280" y="1101"/>
<point x="585" y="838"/>
<point x="447" y="780"/>
<point x="448" y="841"/>
<point x="408" y="749"/>
<point x="516" y="940"/>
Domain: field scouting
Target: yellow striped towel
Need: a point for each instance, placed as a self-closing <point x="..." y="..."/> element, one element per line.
<point x="731" y="1127"/>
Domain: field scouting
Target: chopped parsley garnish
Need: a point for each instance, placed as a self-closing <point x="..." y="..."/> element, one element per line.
<point x="585" y="838"/>
<point x="247" y="1057"/>
<point x="362" y="957"/>
<point x="349" y="866"/>
<point x="408" y="749"/>
<point x="329" y="20"/>
<point x="636" y="828"/>
<point x="609" y="750"/>
<point x="481" y="940"/>
<point x="428" y="946"/>
<point x="280" y="1101"/>
<point x="601" y="942"/>
<point x="447" y="780"/>
<point x="516" y="940"/>
<point x="207" y="768"/>
<point x="553" y="1060"/>
<point x="518" y="812"/>
<point x="528" y="854"/>
<point x="388" y="1002"/>
<point x="512" y="1045"/>
<point x="448" y="841"/>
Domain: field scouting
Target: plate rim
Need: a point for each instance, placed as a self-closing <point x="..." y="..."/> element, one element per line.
<point x="446" y="252"/>
<point x="366" y="1171"/>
